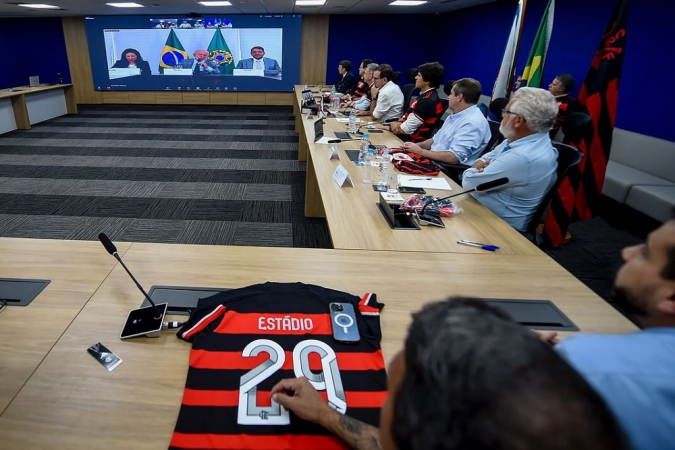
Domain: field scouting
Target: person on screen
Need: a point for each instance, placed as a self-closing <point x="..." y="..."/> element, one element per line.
<point x="199" y="64"/>
<point x="132" y="59"/>
<point x="269" y="65"/>
<point x="185" y="24"/>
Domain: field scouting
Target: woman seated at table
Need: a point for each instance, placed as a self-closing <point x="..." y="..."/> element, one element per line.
<point x="132" y="59"/>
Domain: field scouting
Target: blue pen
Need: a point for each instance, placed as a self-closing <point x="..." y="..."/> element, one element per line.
<point x="413" y="179"/>
<point x="488" y="247"/>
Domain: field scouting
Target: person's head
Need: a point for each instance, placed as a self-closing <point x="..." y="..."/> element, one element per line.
<point x="257" y="52"/>
<point x="471" y="378"/>
<point x="429" y="75"/>
<point x="344" y="67"/>
<point x="645" y="284"/>
<point x="464" y="94"/>
<point x="562" y="84"/>
<point x="201" y="55"/>
<point x="363" y="65"/>
<point x="382" y="75"/>
<point x="131" y="55"/>
<point x="369" y="73"/>
<point x="530" y="110"/>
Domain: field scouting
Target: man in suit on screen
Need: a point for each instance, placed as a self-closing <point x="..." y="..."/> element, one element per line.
<point x="269" y="65"/>
<point x="199" y="64"/>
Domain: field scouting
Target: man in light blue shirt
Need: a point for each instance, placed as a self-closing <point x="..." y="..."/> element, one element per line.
<point x="526" y="158"/>
<point x="464" y="135"/>
<point x="635" y="372"/>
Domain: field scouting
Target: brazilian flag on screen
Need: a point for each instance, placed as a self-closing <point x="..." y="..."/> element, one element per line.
<point x="220" y="54"/>
<point x="172" y="54"/>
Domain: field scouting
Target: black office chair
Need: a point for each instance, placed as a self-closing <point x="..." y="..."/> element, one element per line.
<point x="447" y="87"/>
<point x="407" y="90"/>
<point x="577" y="126"/>
<point x="455" y="170"/>
<point x="412" y="73"/>
<point x="395" y="76"/>
<point x="568" y="157"/>
<point x="496" y="107"/>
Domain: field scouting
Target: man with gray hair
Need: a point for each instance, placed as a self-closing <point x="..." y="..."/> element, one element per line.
<point x="526" y="157"/>
<point x="364" y="102"/>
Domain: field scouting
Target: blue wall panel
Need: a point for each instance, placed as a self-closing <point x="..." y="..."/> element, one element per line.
<point x="35" y="46"/>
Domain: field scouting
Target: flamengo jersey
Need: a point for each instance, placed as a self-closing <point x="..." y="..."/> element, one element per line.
<point x="245" y="340"/>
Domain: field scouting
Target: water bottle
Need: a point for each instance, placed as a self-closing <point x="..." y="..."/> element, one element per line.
<point x="365" y="143"/>
<point x="351" y="128"/>
<point x="368" y="167"/>
<point x="332" y="91"/>
<point x="383" y="168"/>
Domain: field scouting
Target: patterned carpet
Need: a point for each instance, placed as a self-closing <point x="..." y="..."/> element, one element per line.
<point x="224" y="175"/>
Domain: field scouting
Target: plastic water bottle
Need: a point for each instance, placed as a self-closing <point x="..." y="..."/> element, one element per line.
<point x="332" y="91"/>
<point x="365" y="143"/>
<point x="351" y="128"/>
<point x="383" y="168"/>
<point x="368" y="167"/>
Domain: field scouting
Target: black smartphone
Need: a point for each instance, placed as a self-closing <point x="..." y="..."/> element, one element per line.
<point x="411" y="190"/>
<point x="343" y="321"/>
<point x="380" y="188"/>
<point x="374" y="131"/>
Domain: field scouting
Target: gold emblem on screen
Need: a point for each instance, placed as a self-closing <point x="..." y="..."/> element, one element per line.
<point x="221" y="57"/>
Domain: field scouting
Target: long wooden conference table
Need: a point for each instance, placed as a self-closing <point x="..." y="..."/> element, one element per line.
<point x="55" y="395"/>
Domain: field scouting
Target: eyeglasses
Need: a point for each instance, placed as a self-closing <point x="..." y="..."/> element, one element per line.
<point x="506" y="111"/>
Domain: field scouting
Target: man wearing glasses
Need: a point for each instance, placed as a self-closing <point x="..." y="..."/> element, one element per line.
<point x="389" y="101"/>
<point x="526" y="157"/>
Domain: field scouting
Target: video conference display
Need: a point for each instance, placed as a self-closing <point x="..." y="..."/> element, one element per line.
<point x="214" y="53"/>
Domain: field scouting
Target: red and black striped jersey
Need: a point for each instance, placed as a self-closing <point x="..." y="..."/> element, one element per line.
<point x="246" y="340"/>
<point x="422" y="116"/>
<point x="360" y="89"/>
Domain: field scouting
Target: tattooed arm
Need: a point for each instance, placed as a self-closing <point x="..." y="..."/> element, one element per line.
<point x="299" y="396"/>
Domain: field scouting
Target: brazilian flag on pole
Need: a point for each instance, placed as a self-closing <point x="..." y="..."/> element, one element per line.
<point x="220" y="54"/>
<point x="172" y="54"/>
<point x="534" y="69"/>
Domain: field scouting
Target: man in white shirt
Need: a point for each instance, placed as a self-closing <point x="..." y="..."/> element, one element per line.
<point x="389" y="101"/>
<point x="464" y="134"/>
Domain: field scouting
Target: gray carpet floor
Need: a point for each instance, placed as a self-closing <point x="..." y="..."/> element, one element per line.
<point x="224" y="175"/>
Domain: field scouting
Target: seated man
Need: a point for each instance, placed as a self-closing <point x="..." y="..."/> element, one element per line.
<point x="426" y="110"/>
<point x="470" y="378"/>
<point x="635" y="372"/>
<point x="269" y="65"/>
<point x="526" y="157"/>
<point x="200" y="64"/>
<point x="361" y="86"/>
<point x="363" y="103"/>
<point x="561" y="87"/>
<point x="346" y="80"/>
<point x="464" y="134"/>
<point x="389" y="101"/>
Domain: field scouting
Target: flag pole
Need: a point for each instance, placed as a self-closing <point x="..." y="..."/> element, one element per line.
<point x="509" y="85"/>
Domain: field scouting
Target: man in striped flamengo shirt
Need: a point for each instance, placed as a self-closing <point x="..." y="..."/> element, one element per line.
<point x="426" y="110"/>
<point x="245" y="340"/>
<point x="469" y="377"/>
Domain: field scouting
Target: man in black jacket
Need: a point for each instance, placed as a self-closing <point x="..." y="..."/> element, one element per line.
<point x="346" y="81"/>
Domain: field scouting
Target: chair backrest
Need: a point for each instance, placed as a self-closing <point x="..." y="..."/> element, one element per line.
<point x="568" y="157"/>
<point x="577" y="126"/>
<point x="395" y="76"/>
<point x="447" y="87"/>
<point x="407" y="90"/>
<point x="496" y="107"/>
<point x="439" y="122"/>
<point x="483" y="108"/>
<point x="412" y="73"/>
<point x="495" y="136"/>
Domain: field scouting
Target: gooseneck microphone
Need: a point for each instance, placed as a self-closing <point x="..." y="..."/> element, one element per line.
<point x="480" y="188"/>
<point x="110" y="248"/>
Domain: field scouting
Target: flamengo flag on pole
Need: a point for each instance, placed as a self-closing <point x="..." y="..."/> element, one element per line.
<point x="534" y="69"/>
<point x="502" y="87"/>
<point x="172" y="53"/>
<point x="578" y="196"/>
<point x="219" y="53"/>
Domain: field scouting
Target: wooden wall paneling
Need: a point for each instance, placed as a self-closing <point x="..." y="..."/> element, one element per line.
<point x="279" y="98"/>
<point x="169" y="98"/>
<point x="115" y="96"/>
<point x="142" y="97"/>
<point x="78" y="60"/>
<point x="251" y="98"/>
<point x="224" y="98"/>
<point x="314" y="49"/>
<point x="196" y="98"/>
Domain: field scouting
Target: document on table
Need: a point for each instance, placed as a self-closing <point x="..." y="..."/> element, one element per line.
<point x="420" y="181"/>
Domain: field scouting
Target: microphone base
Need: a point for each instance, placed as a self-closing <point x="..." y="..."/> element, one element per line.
<point x="428" y="219"/>
<point x="143" y="322"/>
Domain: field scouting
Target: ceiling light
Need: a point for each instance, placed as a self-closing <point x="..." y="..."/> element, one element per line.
<point x="215" y="3"/>
<point x="309" y="2"/>
<point x="38" y="6"/>
<point x="408" y="3"/>
<point x="125" y="5"/>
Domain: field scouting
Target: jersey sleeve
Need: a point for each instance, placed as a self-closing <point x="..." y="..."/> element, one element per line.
<point x="370" y="309"/>
<point x="204" y="319"/>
